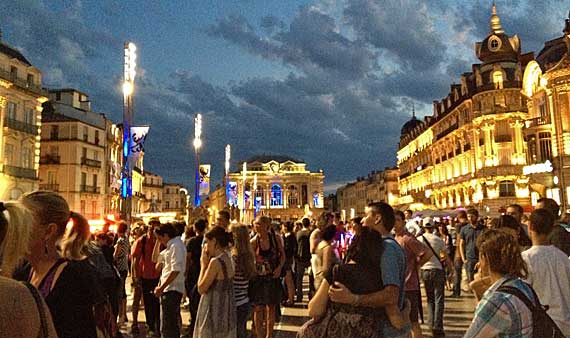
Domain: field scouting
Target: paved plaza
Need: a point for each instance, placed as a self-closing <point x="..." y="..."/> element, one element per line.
<point x="458" y="316"/>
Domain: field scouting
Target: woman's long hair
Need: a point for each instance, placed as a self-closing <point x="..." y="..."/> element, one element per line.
<point x="502" y="253"/>
<point x="72" y="228"/>
<point x="243" y="251"/>
<point x="15" y="229"/>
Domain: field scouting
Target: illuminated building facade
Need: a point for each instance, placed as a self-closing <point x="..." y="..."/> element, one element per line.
<point x="73" y="144"/>
<point x="21" y="97"/>
<point x="152" y="189"/>
<point x="277" y="186"/>
<point x="471" y="152"/>
<point x="174" y="198"/>
<point x="547" y="87"/>
<point x="378" y="186"/>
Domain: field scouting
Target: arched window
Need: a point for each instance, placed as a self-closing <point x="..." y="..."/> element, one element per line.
<point x="316" y="199"/>
<point x="498" y="79"/>
<point x="276" y="194"/>
<point x="293" y="199"/>
<point x="507" y="189"/>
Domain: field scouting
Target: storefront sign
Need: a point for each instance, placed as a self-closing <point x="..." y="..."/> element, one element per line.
<point x="545" y="167"/>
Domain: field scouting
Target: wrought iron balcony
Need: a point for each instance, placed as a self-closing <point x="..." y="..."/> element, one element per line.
<point x="90" y="189"/>
<point x="50" y="159"/>
<point x="537" y="121"/>
<point x="21" y="126"/>
<point x="50" y="187"/>
<point x="23" y="84"/>
<point x="90" y="163"/>
<point x="20" y="172"/>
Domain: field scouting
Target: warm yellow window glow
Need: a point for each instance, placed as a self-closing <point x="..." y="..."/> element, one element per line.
<point x="498" y="79"/>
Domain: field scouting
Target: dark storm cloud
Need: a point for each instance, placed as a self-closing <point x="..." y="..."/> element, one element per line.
<point x="403" y="28"/>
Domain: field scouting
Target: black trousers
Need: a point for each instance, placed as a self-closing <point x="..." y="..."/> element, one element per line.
<point x="151" y="304"/>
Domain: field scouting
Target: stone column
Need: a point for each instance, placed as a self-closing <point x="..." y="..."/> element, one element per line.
<point x="3" y="103"/>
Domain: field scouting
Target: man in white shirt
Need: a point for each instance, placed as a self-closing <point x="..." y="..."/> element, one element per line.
<point x="548" y="270"/>
<point x="171" y="285"/>
<point x="433" y="275"/>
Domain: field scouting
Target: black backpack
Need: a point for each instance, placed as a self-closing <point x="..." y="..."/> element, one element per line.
<point x="304" y="246"/>
<point x="542" y="325"/>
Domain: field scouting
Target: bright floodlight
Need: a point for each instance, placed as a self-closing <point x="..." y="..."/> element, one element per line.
<point x="228" y="154"/>
<point x="197" y="131"/>
<point x="128" y="88"/>
<point x="197" y="143"/>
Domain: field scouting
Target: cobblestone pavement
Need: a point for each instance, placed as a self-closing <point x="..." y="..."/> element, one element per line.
<point x="457" y="317"/>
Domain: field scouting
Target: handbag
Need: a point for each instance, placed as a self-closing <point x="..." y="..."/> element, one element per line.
<point x="41" y="310"/>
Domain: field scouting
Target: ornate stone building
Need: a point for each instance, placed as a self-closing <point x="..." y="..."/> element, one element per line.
<point x="547" y="87"/>
<point x="471" y="151"/>
<point x="378" y="186"/>
<point x="21" y="97"/>
<point x="278" y="186"/>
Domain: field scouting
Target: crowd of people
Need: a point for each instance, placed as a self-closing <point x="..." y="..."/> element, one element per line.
<point x="365" y="276"/>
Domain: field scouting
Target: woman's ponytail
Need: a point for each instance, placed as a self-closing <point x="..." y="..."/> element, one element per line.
<point x="77" y="234"/>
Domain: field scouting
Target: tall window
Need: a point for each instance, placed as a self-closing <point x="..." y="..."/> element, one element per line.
<point x="507" y="189"/>
<point x="29" y="116"/>
<point x="26" y="157"/>
<point x="293" y="199"/>
<point x="30" y="80"/>
<point x="545" y="145"/>
<point x="95" y="180"/>
<point x="11" y="111"/>
<point x="260" y="196"/>
<point x="498" y="79"/>
<point x="51" y="177"/>
<point x="276" y="199"/>
<point x="54" y="135"/>
<point x="13" y="72"/>
<point x="83" y="179"/>
<point x="85" y="134"/>
<point x="82" y="207"/>
<point x="9" y="154"/>
<point x="316" y="199"/>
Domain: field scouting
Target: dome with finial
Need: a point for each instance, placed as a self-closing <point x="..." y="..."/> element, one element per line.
<point x="411" y="124"/>
<point x="497" y="46"/>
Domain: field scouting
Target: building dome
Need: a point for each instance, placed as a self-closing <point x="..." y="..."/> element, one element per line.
<point x="498" y="46"/>
<point x="411" y="125"/>
<point x="555" y="50"/>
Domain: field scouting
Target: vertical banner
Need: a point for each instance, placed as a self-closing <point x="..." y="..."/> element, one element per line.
<point x="138" y="136"/>
<point x="204" y="179"/>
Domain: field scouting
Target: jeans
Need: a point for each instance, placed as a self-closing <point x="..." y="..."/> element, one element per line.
<point x="300" y="268"/>
<point x="470" y="267"/>
<point x="458" y="265"/>
<point x="151" y="304"/>
<point x="243" y="314"/>
<point x="170" y="303"/>
<point x="434" y="281"/>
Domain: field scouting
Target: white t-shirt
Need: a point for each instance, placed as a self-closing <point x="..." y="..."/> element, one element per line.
<point x="173" y="259"/>
<point x="438" y="246"/>
<point x="549" y="276"/>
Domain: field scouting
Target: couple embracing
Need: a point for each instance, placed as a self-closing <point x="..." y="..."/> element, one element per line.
<point x="364" y="296"/>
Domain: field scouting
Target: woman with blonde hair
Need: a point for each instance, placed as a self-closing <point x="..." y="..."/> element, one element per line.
<point x="23" y="313"/>
<point x="244" y="262"/>
<point x="59" y="268"/>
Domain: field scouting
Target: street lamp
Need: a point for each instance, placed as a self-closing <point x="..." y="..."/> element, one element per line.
<point x="197" y="144"/>
<point x="129" y="73"/>
<point x="227" y="177"/>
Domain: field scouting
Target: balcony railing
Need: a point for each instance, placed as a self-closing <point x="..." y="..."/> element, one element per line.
<point x="24" y="84"/>
<point x="90" y="163"/>
<point x="50" y="159"/>
<point x="20" y="172"/>
<point x="151" y="185"/>
<point x="50" y="187"/>
<point x="537" y="121"/>
<point x="90" y="189"/>
<point x="21" y="126"/>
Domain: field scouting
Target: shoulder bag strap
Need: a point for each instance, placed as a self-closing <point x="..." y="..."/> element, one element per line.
<point x="432" y="250"/>
<point x="41" y="310"/>
<point x="519" y="294"/>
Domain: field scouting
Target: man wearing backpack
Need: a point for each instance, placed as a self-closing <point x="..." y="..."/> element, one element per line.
<point x="302" y="257"/>
<point x="548" y="270"/>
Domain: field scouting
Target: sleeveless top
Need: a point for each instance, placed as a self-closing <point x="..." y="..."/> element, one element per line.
<point x="266" y="261"/>
<point x="216" y="317"/>
<point x="241" y="284"/>
<point x="319" y="261"/>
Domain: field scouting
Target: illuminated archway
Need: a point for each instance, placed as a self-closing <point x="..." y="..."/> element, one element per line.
<point x="531" y="78"/>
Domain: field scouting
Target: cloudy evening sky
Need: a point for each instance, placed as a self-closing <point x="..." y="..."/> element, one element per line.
<point x="330" y="82"/>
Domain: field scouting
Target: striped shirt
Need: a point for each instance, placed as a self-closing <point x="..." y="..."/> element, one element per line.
<point x="241" y="284"/>
<point x="503" y="315"/>
<point x="122" y="260"/>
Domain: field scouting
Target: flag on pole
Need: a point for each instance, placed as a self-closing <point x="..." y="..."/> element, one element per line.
<point x="138" y="136"/>
<point x="204" y="179"/>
